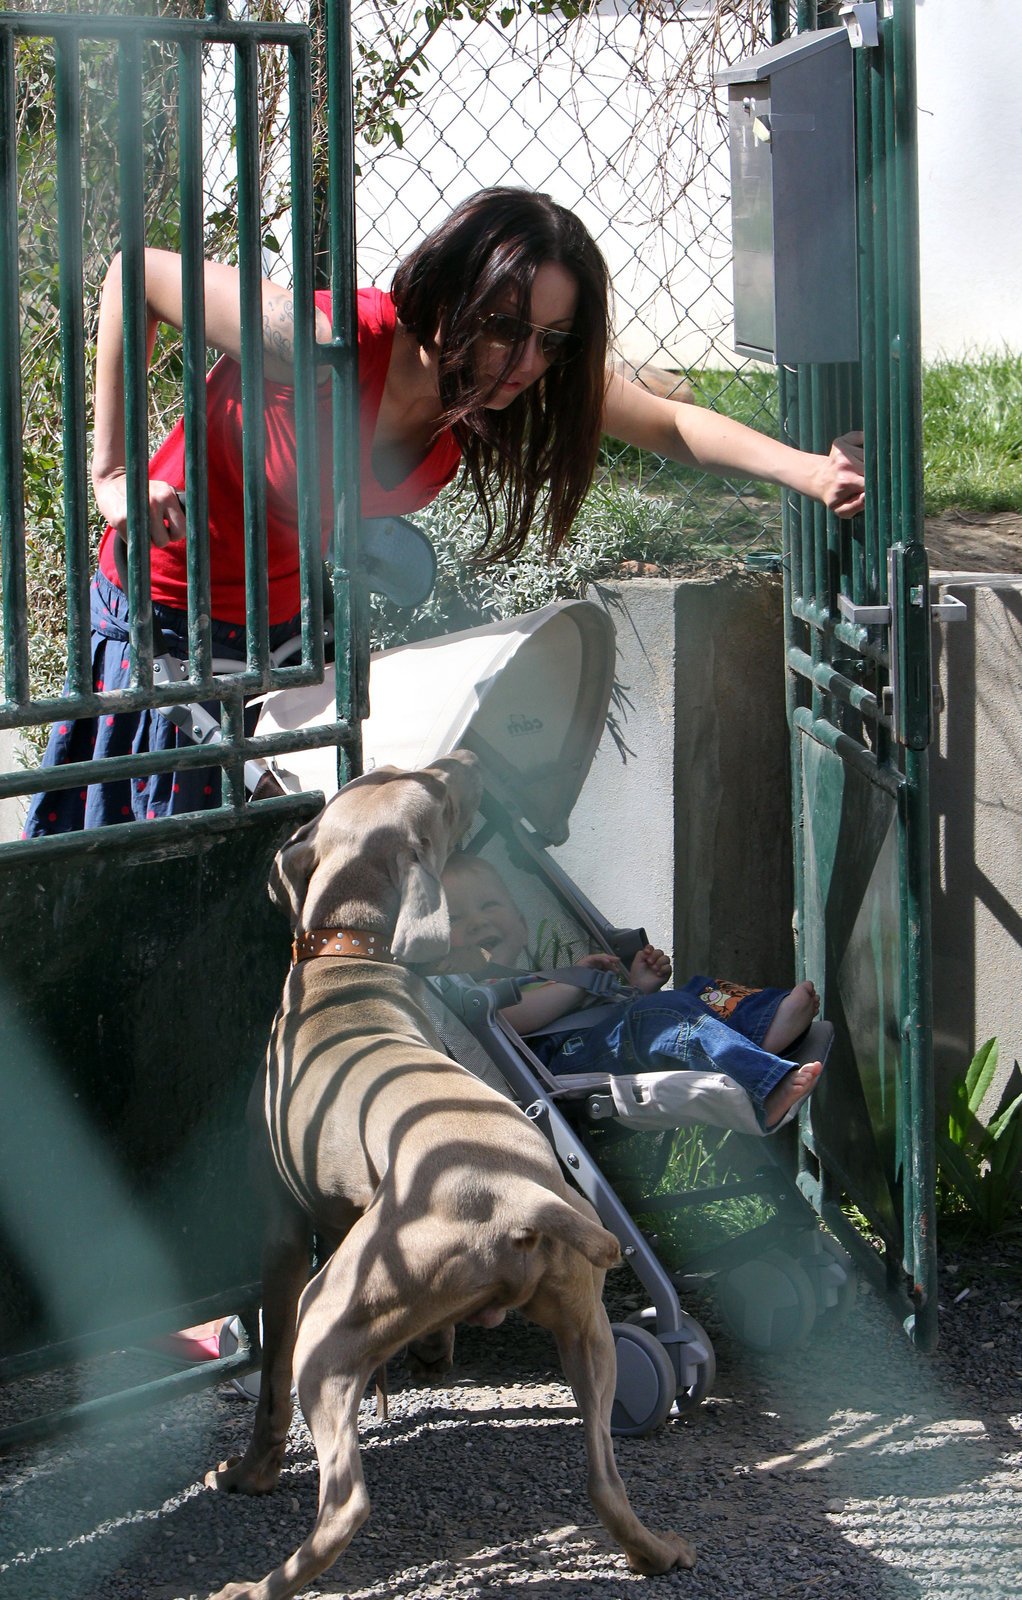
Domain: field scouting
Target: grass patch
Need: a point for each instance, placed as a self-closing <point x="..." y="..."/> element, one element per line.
<point x="750" y="396"/>
<point x="972" y="434"/>
<point x="680" y="1161"/>
<point x="699" y="1159"/>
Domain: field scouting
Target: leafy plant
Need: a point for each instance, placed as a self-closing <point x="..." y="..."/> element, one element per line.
<point x="699" y="1159"/>
<point x="551" y="949"/>
<point x="620" y="521"/>
<point x="982" y="1163"/>
<point x="691" y="1161"/>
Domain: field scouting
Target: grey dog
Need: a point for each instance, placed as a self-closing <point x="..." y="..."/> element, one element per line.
<point x="440" y="1200"/>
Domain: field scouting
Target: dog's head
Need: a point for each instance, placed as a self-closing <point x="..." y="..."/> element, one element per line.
<point x="373" y="857"/>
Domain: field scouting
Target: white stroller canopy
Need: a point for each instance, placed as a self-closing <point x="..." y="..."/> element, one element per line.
<point x="528" y="695"/>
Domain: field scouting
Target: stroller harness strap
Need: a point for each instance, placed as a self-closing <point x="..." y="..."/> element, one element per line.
<point x="603" y="994"/>
<point x="352" y="942"/>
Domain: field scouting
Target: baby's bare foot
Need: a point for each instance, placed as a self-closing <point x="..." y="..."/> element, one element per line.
<point x="796" y="1085"/>
<point x="792" y="1017"/>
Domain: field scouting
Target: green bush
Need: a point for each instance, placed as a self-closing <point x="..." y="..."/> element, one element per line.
<point x="620" y="521"/>
<point x="980" y="1164"/>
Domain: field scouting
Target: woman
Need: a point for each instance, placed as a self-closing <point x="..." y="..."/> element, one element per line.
<point x="490" y="352"/>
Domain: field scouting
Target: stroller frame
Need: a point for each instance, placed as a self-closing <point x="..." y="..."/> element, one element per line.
<point x="530" y="697"/>
<point x="568" y="1107"/>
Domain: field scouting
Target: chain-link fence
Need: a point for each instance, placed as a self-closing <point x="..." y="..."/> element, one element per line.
<point x="613" y="113"/>
<point x="610" y="109"/>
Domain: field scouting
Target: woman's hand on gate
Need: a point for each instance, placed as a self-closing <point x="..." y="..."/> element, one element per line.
<point x="842" y="476"/>
<point x="166" y="513"/>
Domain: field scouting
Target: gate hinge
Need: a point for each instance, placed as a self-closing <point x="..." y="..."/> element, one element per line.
<point x="862" y="25"/>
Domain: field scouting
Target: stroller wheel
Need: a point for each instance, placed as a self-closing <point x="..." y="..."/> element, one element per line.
<point x="690" y="1353"/>
<point x="768" y="1301"/>
<point x="646" y="1383"/>
<point x="832" y="1274"/>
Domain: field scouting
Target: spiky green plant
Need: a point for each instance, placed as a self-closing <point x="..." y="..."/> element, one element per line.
<point x="981" y="1163"/>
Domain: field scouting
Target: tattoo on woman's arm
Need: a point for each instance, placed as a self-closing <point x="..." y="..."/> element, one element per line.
<point x="279" y="330"/>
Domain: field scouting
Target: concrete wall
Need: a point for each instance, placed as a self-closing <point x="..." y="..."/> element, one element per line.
<point x="13" y="810"/>
<point x="976" y="804"/>
<point x="970" y="155"/>
<point x="683" y="825"/>
<point x="690" y="790"/>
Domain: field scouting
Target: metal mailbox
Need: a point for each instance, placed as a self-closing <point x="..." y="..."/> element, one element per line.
<point x="792" y="143"/>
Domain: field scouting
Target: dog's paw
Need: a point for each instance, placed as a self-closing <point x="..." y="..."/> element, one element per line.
<point x="235" y="1591"/>
<point x="240" y="1475"/>
<point x="665" y="1551"/>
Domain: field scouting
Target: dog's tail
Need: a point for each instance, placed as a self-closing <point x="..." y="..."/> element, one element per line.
<point x="546" y="1214"/>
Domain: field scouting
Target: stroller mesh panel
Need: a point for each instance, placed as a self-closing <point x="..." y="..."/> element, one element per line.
<point x="555" y="937"/>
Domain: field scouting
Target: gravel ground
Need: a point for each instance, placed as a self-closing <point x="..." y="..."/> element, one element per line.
<point x="852" y="1468"/>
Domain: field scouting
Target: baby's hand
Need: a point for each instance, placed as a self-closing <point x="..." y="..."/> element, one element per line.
<point x="650" y="970"/>
<point x="601" y="961"/>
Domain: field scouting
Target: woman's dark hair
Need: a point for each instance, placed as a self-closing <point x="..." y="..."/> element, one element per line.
<point x="537" y="456"/>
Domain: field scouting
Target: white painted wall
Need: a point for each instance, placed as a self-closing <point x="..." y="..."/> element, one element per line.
<point x="970" y="174"/>
<point x="975" y="814"/>
<point x="683" y="823"/>
<point x="12" y="810"/>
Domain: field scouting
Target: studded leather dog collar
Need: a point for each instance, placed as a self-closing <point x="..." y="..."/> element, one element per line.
<point x="354" y="942"/>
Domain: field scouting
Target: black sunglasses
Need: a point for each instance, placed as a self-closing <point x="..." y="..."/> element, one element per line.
<point x="502" y="328"/>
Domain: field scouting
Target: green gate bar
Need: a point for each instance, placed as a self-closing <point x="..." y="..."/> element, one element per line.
<point x="302" y="232"/>
<point x="350" y="603"/>
<point x="12" y="481"/>
<point x="72" y="344"/>
<point x="128" y="1061"/>
<point x="193" y="340"/>
<point x="859" y="703"/>
<point x="136" y="386"/>
<point x="254" y="427"/>
<point x="20" y="707"/>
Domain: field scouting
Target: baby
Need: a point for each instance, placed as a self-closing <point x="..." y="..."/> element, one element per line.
<point x="706" y="1026"/>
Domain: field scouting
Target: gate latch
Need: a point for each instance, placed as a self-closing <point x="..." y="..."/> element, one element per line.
<point x="949" y="609"/>
<point x="908" y="614"/>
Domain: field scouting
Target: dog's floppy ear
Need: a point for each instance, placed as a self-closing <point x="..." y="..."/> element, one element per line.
<point x="423" y="928"/>
<point x="422" y="931"/>
<point x="293" y="866"/>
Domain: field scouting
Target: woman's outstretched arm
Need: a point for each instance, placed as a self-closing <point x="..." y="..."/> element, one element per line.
<point x="698" y="437"/>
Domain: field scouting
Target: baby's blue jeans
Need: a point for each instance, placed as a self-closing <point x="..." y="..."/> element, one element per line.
<point x="673" y="1031"/>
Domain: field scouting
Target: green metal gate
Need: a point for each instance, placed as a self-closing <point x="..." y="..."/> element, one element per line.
<point x="140" y="964"/>
<point x="860" y="706"/>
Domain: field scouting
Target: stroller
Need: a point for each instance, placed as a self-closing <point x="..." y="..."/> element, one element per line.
<point x="530" y="697"/>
